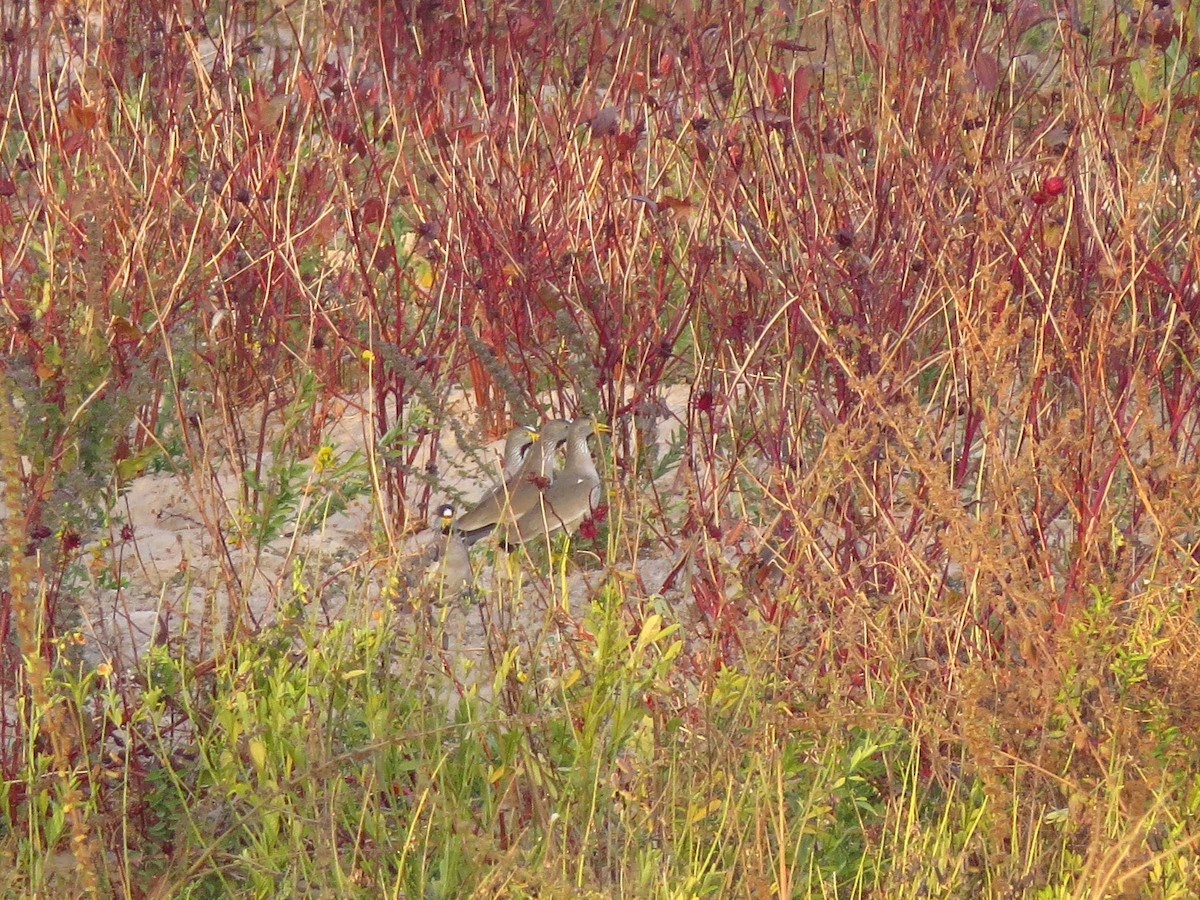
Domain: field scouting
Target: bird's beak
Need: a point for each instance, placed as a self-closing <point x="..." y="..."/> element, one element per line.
<point x="601" y="428"/>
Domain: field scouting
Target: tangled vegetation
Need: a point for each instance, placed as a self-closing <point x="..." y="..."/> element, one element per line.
<point x="928" y="515"/>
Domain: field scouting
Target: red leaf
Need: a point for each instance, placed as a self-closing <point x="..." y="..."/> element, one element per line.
<point x="72" y="141"/>
<point x="775" y="85"/>
<point x="521" y="27"/>
<point x="680" y="208"/>
<point x="371" y="212"/>
<point x="306" y="89"/>
<point x="987" y="72"/>
<point x="83" y="116"/>
<point x="7" y="188"/>
<point x="801" y="88"/>
<point x="626" y="141"/>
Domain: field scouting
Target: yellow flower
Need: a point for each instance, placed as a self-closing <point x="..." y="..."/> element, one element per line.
<point x="368" y="357"/>
<point x="324" y="460"/>
<point x="104" y="670"/>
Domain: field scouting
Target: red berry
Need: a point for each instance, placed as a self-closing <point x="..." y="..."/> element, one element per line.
<point x="1054" y="185"/>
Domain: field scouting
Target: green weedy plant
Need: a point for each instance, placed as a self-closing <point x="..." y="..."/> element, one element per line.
<point x="37" y="758"/>
<point x="280" y="748"/>
<point x="607" y="716"/>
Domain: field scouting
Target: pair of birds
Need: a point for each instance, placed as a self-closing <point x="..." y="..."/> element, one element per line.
<point x="533" y="500"/>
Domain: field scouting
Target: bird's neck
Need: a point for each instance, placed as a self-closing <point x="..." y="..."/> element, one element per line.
<point x="578" y="458"/>
<point x="542" y="462"/>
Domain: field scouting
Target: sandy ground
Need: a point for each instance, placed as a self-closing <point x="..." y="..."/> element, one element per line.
<point x="176" y="579"/>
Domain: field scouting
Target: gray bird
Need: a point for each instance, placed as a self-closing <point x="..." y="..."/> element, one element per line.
<point x="520" y="492"/>
<point x="516" y="445"/>
<point x="518" y="451"/>
<point x="445" y="560"/>
<point x="438" y="571"/>
<point x="570" y="497"/>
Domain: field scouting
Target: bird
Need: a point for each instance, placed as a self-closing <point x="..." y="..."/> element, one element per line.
<point x="516" y="445"/>
<point x="519" y="493"/>
<point x="518" y="450"/>
<point x="570" y="497"/>
<point x="437" y="571"/>
<point x="443" y="560"/>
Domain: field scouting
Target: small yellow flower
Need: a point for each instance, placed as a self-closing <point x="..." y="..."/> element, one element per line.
<point x="325" y="459"/>
<point x="104" y="670"/>
<point x="368" y="357"/>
